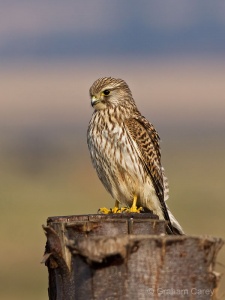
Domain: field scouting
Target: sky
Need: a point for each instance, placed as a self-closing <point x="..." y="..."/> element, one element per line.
<point x="45" y="30"/>
<point x="171" y="53"/>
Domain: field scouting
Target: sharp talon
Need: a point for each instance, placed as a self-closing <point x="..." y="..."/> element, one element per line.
<point x="124" y="209"/>
<point x="133" y="209"/>
<point x="104" y="210"/>
<point x="115" y="210"/>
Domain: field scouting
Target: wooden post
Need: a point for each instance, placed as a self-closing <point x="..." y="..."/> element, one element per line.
<point x="127" y="256"/>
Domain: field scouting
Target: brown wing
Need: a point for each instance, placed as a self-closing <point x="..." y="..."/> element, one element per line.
<point x="147" y="140"/>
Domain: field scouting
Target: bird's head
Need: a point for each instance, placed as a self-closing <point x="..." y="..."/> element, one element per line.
<point x="110" y="92"/>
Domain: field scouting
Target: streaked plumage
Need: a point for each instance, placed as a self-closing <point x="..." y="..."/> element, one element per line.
<point x="125" y="150"/>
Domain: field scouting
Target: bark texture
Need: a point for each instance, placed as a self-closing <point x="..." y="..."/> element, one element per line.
<point x="127" y="256"/>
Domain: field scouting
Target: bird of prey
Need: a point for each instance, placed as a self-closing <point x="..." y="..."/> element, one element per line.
<point x="125" y="152"/>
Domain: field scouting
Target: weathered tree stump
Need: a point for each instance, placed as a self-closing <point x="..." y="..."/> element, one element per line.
<point x="127" y="256"/>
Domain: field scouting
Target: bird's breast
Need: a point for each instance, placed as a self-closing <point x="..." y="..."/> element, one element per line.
<point x="114" y="135"/>
<point x="110" y="140"/>
<point x="116" y="160"/>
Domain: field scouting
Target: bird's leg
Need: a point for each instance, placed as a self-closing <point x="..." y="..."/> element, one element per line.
<point x="116" y="209"/>
<point x="134" y="206"/>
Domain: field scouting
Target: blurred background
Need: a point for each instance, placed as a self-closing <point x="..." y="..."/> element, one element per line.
<point x="172" y="55"/>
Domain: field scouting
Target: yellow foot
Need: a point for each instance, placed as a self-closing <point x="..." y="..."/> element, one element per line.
<point x="104" y="210"/>
<point x="132" y="209"/>
<point x="117" y="210"/>
<point x="114" y="210"/>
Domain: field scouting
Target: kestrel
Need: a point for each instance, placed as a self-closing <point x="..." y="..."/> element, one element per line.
<point x="125" y="152"/>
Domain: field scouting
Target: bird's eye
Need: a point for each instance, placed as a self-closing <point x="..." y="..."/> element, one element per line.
<point x="106" y="92"/>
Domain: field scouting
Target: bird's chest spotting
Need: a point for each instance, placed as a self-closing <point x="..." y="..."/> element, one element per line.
<point x="112" y="144"/>
<point x="111" y="139"/>
<point x="113" y="136"/>
<point x="116" y="148"/>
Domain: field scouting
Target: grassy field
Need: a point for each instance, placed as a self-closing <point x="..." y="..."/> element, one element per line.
<point x="45" y="166"/>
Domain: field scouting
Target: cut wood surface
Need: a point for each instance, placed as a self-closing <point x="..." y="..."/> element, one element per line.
<point x="127" y="256"/>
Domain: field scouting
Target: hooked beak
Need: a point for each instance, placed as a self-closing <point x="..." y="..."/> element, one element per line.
<point x="94" y="101"/>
